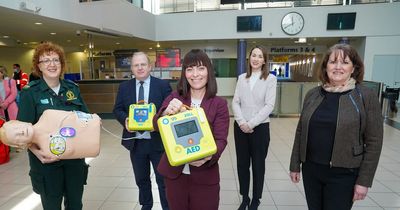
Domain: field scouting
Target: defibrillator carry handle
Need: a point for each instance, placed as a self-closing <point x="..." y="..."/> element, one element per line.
<point x="183" y="105"/>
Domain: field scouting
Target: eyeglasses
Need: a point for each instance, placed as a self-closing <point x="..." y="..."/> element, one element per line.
<point x="141" y="65"/>
<point x="47" y="62"/>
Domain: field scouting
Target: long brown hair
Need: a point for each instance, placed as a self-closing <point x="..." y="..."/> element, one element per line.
<point x="265" y="66"/>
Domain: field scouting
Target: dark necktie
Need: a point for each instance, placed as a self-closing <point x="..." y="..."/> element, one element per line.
<point x="141" y="98"/>
<point x="141" y="93"/>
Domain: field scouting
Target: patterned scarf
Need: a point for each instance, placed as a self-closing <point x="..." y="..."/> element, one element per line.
<point x="349" y="85"/>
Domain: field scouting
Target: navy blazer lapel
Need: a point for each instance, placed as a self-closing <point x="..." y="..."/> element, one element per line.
<point x="133" y="92"/>
<point x="153" y="87"/>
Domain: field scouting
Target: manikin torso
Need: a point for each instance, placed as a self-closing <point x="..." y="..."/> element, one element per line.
<point x="66" y="134"/>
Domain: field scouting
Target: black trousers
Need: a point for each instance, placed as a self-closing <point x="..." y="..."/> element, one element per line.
<point x="328" y="188"/>
<point x="58" y="180"/>
<point x="141" y="156"/>
<point x="251" y="148"/>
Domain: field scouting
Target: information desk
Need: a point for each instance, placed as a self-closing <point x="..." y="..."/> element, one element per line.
<point x="100" y="95"/>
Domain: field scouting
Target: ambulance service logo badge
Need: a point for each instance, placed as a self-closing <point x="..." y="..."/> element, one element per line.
<point x="70" y="95"/>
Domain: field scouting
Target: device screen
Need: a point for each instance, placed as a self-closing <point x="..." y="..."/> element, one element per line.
<point x="186" y="128"/>
<point x="141" y="112"/>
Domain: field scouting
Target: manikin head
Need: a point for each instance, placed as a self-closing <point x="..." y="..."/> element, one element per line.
<point x="17" y="134"/>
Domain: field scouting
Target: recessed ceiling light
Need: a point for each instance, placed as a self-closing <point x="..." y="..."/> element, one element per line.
<point x="53" y="33"/>
<point x="38" y="23"/>
<point x="6" y="36"/>
<point x="117" y="43"/>
<point x="25" y="43"/>
<point x="68" y="40"/>
<point x="301" y="40"/>
<point x="81" y="45"/>
<point x="150" y="48"/>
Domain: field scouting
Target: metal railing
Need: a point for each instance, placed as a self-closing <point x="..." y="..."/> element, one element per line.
<point x="175" y="6"/>
<point x="290" y="96"/>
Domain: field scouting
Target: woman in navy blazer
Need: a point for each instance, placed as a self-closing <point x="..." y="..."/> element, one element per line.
<point x="196" y="185"/>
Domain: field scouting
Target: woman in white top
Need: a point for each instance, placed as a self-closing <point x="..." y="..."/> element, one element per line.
<point x="252" y="104"/>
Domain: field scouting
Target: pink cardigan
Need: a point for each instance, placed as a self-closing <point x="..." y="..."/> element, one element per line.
<point x="10" y="89"/>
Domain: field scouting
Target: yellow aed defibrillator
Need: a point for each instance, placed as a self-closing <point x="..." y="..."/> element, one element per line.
<point x="186" y="136"/>
<point x="141" y="116"/>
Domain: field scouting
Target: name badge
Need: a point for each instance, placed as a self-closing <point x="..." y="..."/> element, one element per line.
<point x="44" y="101"/>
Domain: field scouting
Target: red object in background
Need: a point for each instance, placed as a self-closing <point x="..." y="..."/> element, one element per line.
<point x="168" y="58"/>
<point x="23" y="80"/>
<point x="4" y="149"/>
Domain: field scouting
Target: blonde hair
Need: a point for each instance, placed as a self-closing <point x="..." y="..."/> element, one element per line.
<point x="3" y="70"/>
<point x="141" y="53"/>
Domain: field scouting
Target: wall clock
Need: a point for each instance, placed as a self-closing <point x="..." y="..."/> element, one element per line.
<point x="292" y="23"/>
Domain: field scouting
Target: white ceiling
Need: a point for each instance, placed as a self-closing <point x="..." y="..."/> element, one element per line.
<point x="21" y="28"/>
<point x="22" y="31"/>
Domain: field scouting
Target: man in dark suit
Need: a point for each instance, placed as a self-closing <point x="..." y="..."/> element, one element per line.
<point x="147" y="148"/>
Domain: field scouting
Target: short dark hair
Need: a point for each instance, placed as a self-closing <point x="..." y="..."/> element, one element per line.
<point x="47" y="48"/>
<point x="197" y="57"/>
<point x="17" y="65"/>
<point x="264" y="67"/>
<point x="343" y="50"/>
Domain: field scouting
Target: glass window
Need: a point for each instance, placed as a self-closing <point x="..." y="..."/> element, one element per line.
<point x="224" y="67"/>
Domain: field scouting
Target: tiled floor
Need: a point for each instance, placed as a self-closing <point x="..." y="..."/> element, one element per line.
<point x="111" y="183"/>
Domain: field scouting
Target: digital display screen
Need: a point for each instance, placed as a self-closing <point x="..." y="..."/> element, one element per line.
<point x="341" y="21"/>
<point x="123" y="62"/>
<point x="239" y="1"/>
<point x="186" y="128"/>
<point x="168" y="58"/>
<point x="230" y="1"/>
<point x="141" y="112"/>
<point x="123" y="58"/>
<point x="249" y="23"/>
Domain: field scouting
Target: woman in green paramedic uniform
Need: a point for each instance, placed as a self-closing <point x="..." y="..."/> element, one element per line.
<point x="51" y="177"/>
